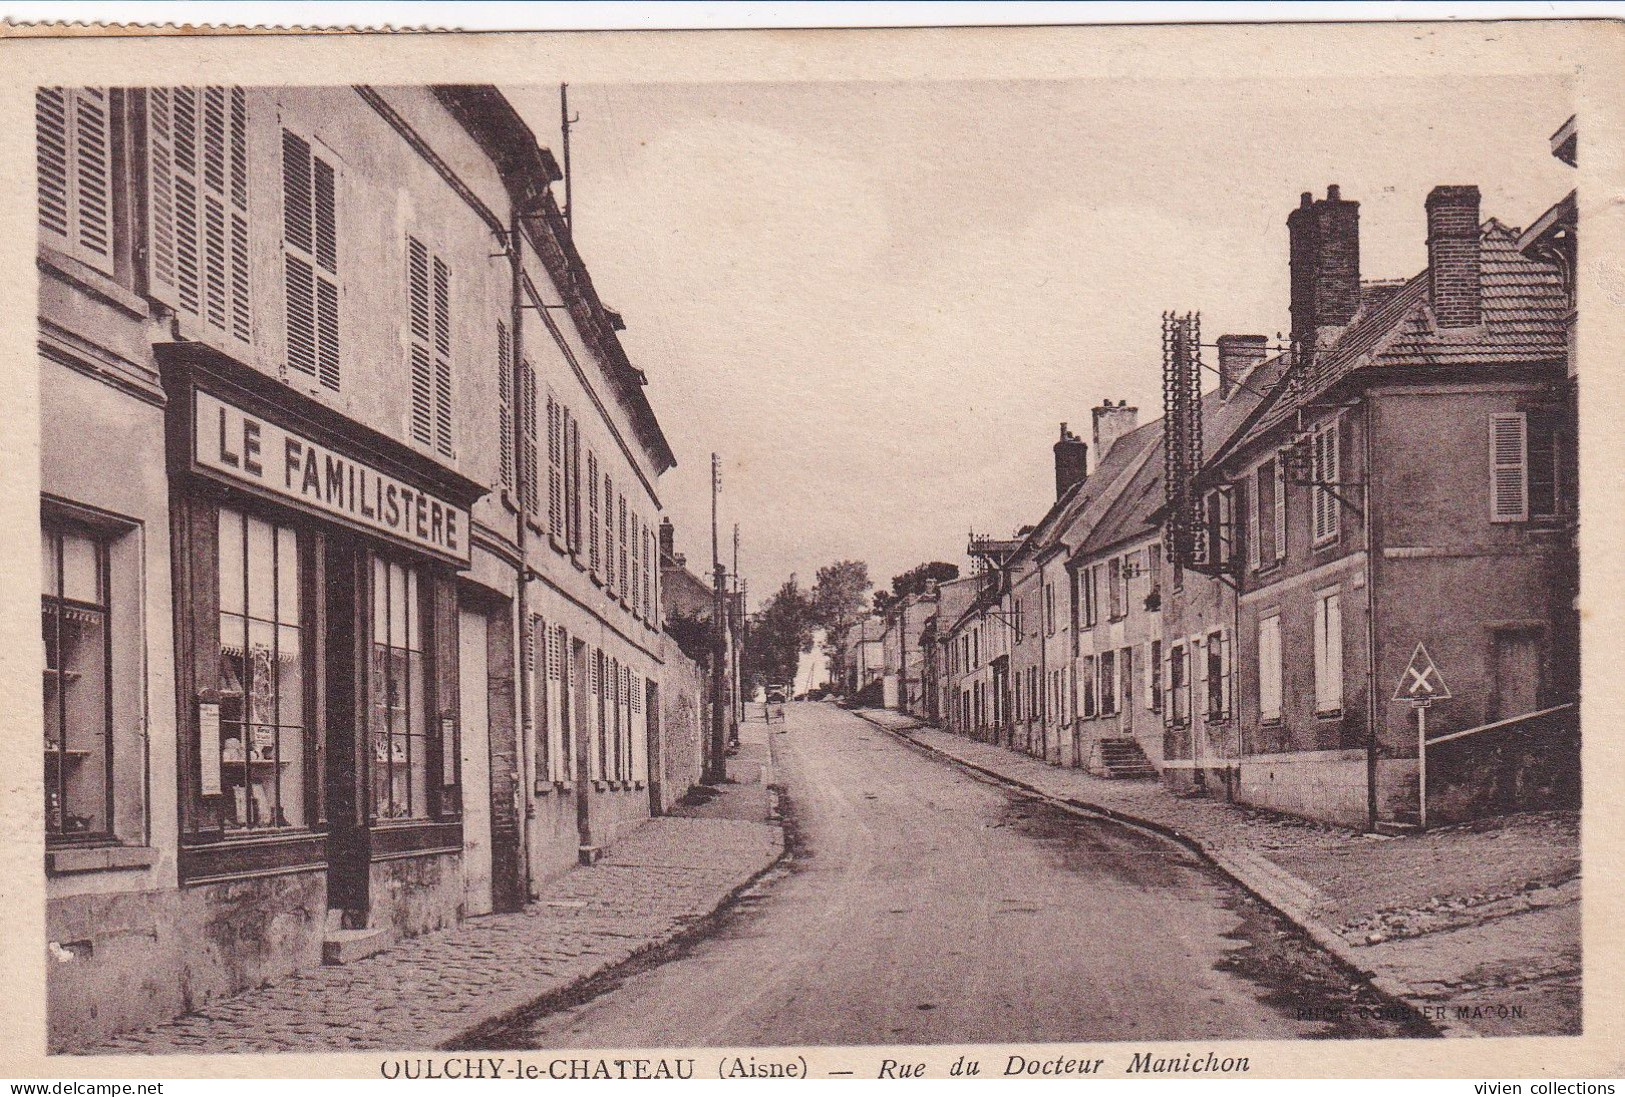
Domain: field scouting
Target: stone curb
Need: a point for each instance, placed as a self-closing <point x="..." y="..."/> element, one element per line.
<point x="515" y="1006"/>
<point x="1250" y="880"/>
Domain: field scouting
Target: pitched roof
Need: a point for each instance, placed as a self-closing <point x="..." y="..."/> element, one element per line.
<point x="1524" y="321"/>
<point x="1135" y="509"/>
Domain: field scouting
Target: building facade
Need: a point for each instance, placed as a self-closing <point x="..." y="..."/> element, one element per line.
<point x="349" y="597"/>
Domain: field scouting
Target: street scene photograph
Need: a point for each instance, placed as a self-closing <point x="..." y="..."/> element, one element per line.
<point x="571" y="563"/>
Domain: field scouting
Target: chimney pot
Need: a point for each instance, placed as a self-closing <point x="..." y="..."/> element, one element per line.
<point x="1239" y="355"/>
<point x="1111" y="422"/>
<point x="1325" y="260"/>
<point x="1071" y="461"/>
<point x="1454" y="256"/>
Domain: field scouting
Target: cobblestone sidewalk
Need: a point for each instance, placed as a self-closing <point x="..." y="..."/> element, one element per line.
<point x="425" y="992"/>
<point x="1478" y="924"/>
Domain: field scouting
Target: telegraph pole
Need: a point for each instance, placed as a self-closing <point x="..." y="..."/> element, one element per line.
<point x="716" y="770"/>
<point x="736" y="609"/>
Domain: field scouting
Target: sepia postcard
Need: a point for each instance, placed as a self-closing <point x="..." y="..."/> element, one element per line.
<point x="1016" y="552"/>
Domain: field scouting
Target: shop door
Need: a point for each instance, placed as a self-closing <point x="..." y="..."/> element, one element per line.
<point x="473" y="690"/>
<point x="348" y="853"/>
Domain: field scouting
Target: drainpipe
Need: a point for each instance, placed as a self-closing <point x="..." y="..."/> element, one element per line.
<point x="527" y="725"/>
<point x="1371" y="745"/>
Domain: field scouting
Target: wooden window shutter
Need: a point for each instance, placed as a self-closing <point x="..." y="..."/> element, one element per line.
<point x="555" y="470"/>
<point x="420" y="325"/>
<point x="504" y="406"/>
<point x="536" y="659"/>
<point x="74" y="131"/>
<point x="637" y="564"/>
<point x="609" y="535"/>
<point x="1509" y="467"/>
<point x="1280" y="511"/>
<point x="54" y="150"/>
<point x="443" y="419"/>
<point x="197" y="208"/>
<point x="310" y="261"/>
<point x="621" y="547"/>
<point x="530" y="412"/>
<point x="593" y="522"/>
<point x="572" y="485"/>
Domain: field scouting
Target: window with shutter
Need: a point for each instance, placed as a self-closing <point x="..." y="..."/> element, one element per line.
<point x="74" y="160"/>
<point x="1509" y="467"/>
<point x="428" y="306"/>
<point x="504" y="407"/>
<point x="636" y="541"/>
<point x="572" y="482"/>
<point x="555" y="470"/>
<point x="536" y="667"/>
<point x="1280" y="511"/>
<point x="622" y="546"/>
<point x="530" y="490"/>
<point x="593" y="521"/>
<point x="310" y="261"/>
<point x="1326" y="507"/>
<point x="609" y="535"/>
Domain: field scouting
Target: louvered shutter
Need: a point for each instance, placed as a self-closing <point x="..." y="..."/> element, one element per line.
<point x="53" y="151"/>
<point x="1280" y="511"/>
<point x="74" y="159"/>
<point x="609" y="535"/>
<point x="592" y="511"/>
<point x="637" y="565"/>
<point x="572" y="482"/>
<point x="197" y="206"/>
<point x="443" y="439"/>
<point x="310" y="261"/>
<point x="620" y="542"/>
<point x="504" y="407"/>
<point x="555" y="470"/>
<point x="420" y="329"/>
<point x="1509" y="467"/>
<point x="531" y="410"/>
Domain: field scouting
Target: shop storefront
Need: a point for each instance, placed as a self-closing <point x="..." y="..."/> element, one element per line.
<point x="317" y="647"/>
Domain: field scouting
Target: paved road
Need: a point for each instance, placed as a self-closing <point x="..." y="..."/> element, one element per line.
<point x="926" y="906"/>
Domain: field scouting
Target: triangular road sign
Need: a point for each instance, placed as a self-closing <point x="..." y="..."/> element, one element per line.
<point x="1421" y="680"/>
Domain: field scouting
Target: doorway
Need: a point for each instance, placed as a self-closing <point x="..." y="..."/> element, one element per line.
<point x="473" y="691"/>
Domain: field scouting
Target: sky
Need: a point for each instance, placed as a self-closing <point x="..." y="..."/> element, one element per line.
<point x="879" y="301"/>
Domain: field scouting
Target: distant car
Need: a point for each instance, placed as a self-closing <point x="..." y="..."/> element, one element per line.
<point x="776" y="694"/>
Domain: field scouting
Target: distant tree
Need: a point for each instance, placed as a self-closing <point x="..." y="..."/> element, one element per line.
<point x="883" y="600"/>
<point x="837" y="595"/>
<point x="781" y="633"/>
<point x="693" y="635"/>
<point x="916" y="580"/>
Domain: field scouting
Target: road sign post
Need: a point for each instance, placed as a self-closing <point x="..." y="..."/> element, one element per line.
<point x="1421" y="684"/>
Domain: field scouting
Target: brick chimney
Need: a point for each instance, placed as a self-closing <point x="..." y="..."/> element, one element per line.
<point x="1453" y="257"/>
<point x="1325" y="257"/>
<point x="668" y="544"/>
<point x="1112" y="421"/>
<point x="1071" y="461"/>
<point x="1239" y="355"/>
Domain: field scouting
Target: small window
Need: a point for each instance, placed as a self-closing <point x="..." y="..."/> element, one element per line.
<point x="78" y="658"/>
<point x="1179" y="697"/>
<point x="1108" y="683"/>
<point x="1217" y="684"/>
<point x="1114" y="587"/>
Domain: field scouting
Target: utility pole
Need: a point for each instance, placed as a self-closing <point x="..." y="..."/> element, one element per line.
<point x="737" y="609"/>
<point x="716" y="770"/>
<point x="566" y="121"/>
